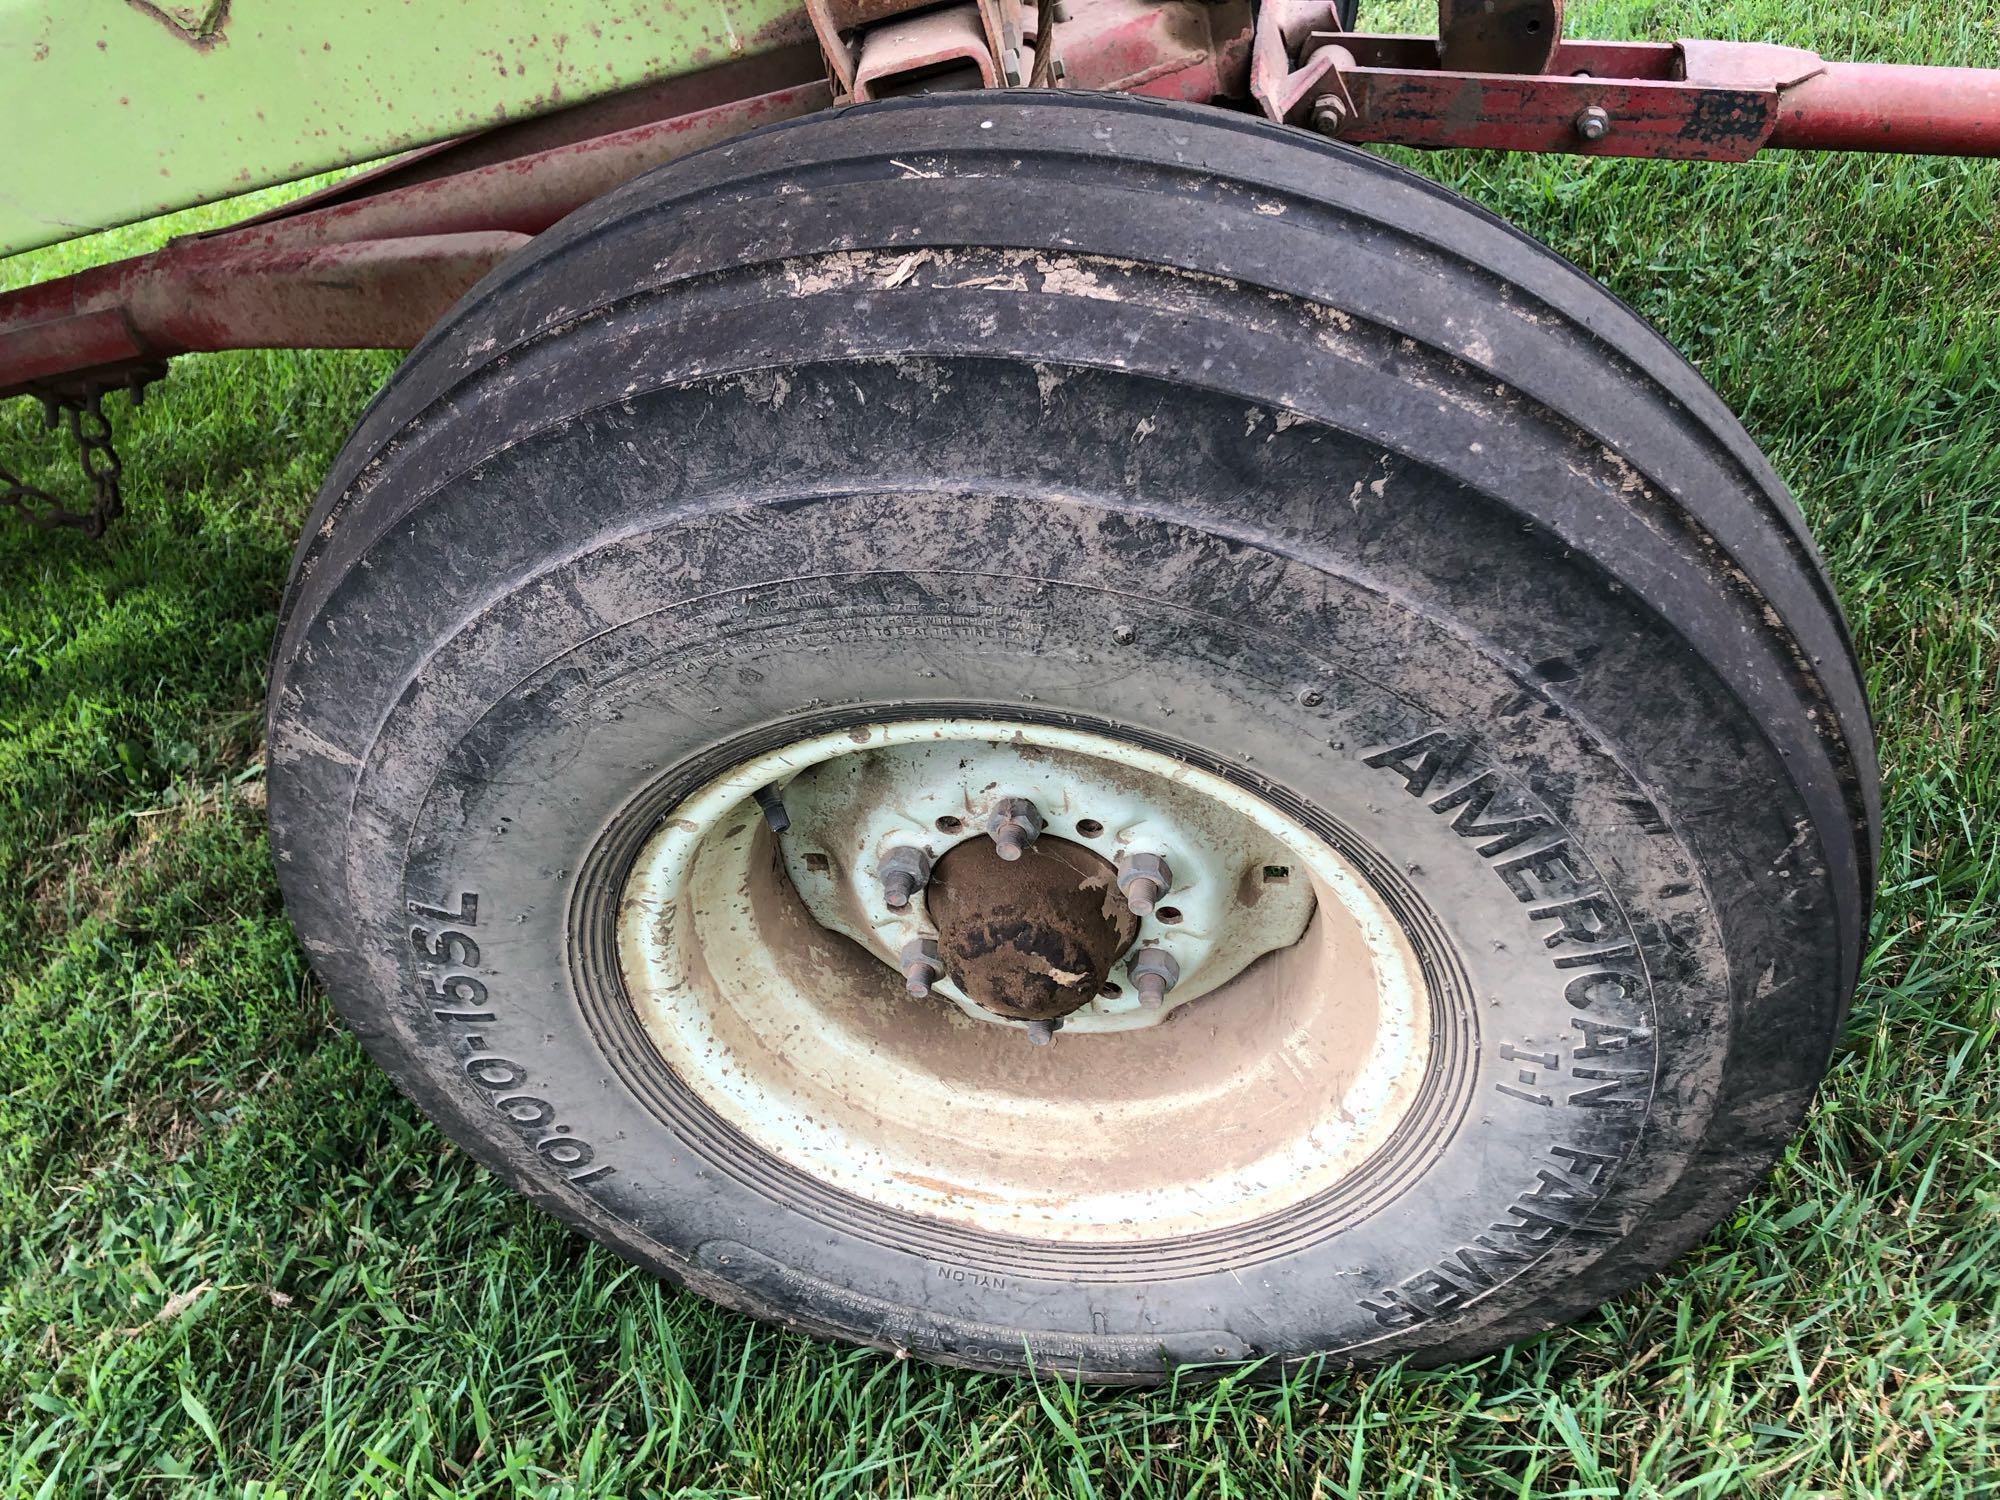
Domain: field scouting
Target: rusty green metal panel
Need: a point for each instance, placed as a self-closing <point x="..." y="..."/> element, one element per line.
<point x="115" y="110"/>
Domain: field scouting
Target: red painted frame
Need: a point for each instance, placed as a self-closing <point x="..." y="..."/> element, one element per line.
<point x="375" y="262"/>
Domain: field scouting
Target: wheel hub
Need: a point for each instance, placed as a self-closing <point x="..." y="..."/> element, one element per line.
<point x="1196" y="888"/>
<point x="1032" y="938"/>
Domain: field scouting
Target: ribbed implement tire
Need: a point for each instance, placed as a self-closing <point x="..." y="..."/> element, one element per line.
<point x="1213" y="435"/>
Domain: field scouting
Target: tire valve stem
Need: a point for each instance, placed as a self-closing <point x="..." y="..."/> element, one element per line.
<point x="1041" y="1033"/>
<point x="1013" y="824"/>
<point x="1153" y="972"/>
<point x="904" y="871"/>
<point x="1142" y="880"/>
<point x="774" y="808"/>
<point x="921" y="967"/>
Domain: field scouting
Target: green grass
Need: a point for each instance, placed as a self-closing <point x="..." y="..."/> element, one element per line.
<point x="233" y="1260"/>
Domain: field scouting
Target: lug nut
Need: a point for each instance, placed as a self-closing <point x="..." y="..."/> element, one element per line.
<point x="1142" y="880"/>
<point x="904" y="871"/>
<point x="921" y="966"/>
<point x="1041" y="1033"/>
<point x="1153" y="972"/>
<point x="1013" y="824"/>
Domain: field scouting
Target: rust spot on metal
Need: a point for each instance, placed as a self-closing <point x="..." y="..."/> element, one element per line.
<point x="1033" y="938"/>
<point x="1727" y="117"/>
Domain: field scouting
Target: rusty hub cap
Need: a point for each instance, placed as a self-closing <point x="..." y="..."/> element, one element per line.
<point x="1033" y="938"/>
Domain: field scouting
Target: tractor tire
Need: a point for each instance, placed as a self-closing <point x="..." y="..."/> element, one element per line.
<point x="1148" y="454"/>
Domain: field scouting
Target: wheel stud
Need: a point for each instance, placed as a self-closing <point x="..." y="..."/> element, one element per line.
<point x="1041" y="1033"/>
<point x="1153" y="972"/>
<point x="1142" y="880"/>
<point x="921" y="967"/>
<point x="904" y="871"/>
<point x="773" y="808"/>
<point x="1013" y="825"/>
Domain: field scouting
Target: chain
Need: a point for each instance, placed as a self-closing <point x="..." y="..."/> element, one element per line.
<point x="90" y="430"/>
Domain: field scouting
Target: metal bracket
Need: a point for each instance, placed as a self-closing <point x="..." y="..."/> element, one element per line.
<point x="875" y="48"/>
<point x="1701" y="101"/>
<point x="1298" y="61"/>
<point x="1293" y="63"/>
<point x="1498" y="36"/>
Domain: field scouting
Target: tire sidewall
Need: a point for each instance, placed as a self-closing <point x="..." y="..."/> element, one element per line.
<point x="500" y="768"/>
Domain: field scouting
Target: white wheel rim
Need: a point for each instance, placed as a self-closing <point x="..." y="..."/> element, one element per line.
<point x="1266" y="1089"/>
